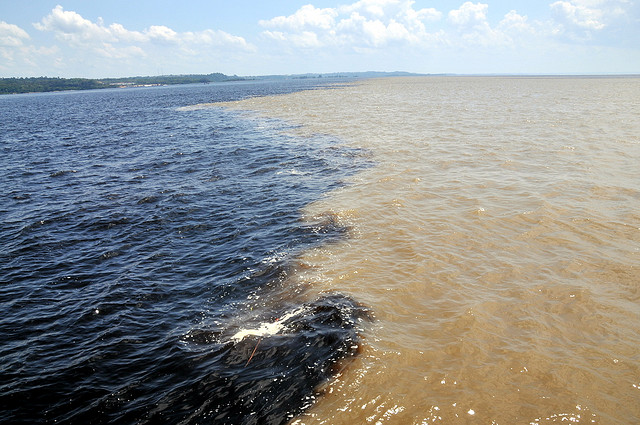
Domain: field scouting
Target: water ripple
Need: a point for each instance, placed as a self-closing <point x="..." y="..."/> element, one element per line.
<point x="131" y="224"/>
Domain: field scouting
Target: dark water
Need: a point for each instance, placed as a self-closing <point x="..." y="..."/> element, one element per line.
<point x="137" y="238"/>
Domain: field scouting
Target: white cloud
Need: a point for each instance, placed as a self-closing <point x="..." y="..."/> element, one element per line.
<point x="12" y="35"/>
<point x="366" y="23"/>
<point x="595" y="21"/>
<point x="399" y="9"/>
<point x="591" y="15"/>
<point x="374" y="25"/>
<point x="16" y="50"/>
<point x="306" y="17"/>
<point x="472" y="27"/>
<point x="70" y="27"/>
<point x="162" y="33"/>
<point x="516" y="31"/>
<point x="469" y="15"/>
<point x="513" y="21"/>
<point x="579" y="15"/>
<point x="74" y="45"/>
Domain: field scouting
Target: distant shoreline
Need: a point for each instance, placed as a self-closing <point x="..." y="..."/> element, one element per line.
<point x="52" y="84"/>
<point x="19" y="85"/>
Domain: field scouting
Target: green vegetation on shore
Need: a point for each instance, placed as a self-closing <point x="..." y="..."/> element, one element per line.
<point x="47" y="84"/>
<point x="40" y="84"/>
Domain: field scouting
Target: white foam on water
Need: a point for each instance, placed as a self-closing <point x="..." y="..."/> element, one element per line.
<point x="267" y="328"/>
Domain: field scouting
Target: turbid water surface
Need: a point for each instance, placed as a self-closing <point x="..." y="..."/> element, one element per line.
<point x="497" y="241"/>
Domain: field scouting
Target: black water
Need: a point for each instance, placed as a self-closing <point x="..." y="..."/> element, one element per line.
<point x="136" y="238"/>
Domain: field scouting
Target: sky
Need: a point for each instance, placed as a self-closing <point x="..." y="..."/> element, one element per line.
<point x="118" y="38"/>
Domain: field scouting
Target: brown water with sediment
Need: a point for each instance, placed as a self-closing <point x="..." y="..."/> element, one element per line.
<point x="497" y="241"/>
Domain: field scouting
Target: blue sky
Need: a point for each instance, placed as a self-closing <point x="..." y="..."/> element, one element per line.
<point x="112" y="38"/>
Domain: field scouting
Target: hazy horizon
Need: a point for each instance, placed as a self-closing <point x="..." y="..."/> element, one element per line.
<point x="354" y="74"/>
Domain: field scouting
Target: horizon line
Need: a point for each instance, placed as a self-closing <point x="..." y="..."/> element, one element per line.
<point x="355" y="73"/>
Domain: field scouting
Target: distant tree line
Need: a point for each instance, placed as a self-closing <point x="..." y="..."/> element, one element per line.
<point x="40" y="84"/>
<point x="46" y="84"/>
<point x="173" y="79"/>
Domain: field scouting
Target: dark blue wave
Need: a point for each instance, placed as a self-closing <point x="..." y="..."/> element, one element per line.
<point x="133" y="237"/>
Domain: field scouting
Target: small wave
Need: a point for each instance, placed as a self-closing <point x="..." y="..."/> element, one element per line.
<point x="292" y="172"/>
<point x="148" y="199"/>
<point x="61" y="173"/>
<point x="110" y="254"/>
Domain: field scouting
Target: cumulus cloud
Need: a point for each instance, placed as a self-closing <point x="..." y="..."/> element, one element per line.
<point x="306" y="17"/>
<point x="400" y="9"/>
<point x="514" y="21"/>
<point x="591" y="15"/>
<point x="377" y="24"/>
<point x="18" y="52"/>
<point x="472" y="26"/>
<point x="366" y="23"/>
<point x="15" y="47"/>
<point x="373" y="25"/>
<point x="97" y="48"/>
<point x="583" y="20"/>
<point x="579" y="14"/>
<point x="12" y="35"/>
<point x="469" y="15"/>
<point x="71" y="27"/>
